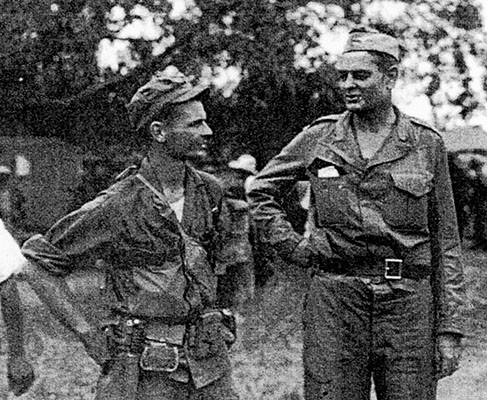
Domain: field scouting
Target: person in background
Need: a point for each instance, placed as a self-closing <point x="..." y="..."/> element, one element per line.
<point x="20" y="373"/>
<point x="98" y="173"/>
<point x="243" y="171"/>
<point x="11" y="204"/>
<point x="462" y="193"/>
<point x="478" y="179"/>
<point x="387" y="283"/>
<point x="160" y="233"/>
<point x="240" y="278"/>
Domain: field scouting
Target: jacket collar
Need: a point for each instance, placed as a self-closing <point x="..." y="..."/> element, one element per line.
<point x="343" y="142"/>
<point x="192" y="186"/>
<point x="398" y="144"/>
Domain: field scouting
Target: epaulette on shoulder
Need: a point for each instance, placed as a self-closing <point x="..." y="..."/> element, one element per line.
<point x="326" y="118"/>
<point x="425" y="124"/>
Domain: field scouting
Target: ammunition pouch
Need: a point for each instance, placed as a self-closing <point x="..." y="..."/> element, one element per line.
<point x="208" y="336"/>
<point x="211" y="333"/>
<point x="125" y="336"/>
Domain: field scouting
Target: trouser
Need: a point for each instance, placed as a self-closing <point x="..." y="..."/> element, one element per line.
<point x="356" y="331"/>
<point x="153" y="386"/>
<point x="116" y="385"/>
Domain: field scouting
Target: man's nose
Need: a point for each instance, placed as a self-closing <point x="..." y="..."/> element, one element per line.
<point x="348" y="81"/>
<point x="206" y="130"/>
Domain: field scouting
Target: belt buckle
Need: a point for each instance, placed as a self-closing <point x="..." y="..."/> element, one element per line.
<point x="393" y="269"/>
<point x="159" y="357"/>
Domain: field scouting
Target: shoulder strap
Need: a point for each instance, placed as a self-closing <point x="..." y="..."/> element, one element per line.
<point x="151" y="187"/>
<point x="214" y="196"/>
<point x="161" y="197"/>
<point x="424" y="124"/>
<point x="326" y="118"/>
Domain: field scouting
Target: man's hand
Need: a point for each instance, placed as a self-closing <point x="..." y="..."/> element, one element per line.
<point x="449" y="353"/>
<point x="20" y="375"/>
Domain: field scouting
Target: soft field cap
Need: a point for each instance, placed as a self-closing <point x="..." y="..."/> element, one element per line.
<point x="372" y="40"/>
<point x="165" y="87"/>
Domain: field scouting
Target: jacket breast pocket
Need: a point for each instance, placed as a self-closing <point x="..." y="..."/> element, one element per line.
<point x="406" y="208"/>
<point x="331" y="198"/>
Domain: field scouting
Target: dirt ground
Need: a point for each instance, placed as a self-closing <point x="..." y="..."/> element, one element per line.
<point x="266" y="358"/>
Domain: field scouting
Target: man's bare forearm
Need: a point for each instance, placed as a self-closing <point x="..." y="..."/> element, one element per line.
<point x="12" y="317"/>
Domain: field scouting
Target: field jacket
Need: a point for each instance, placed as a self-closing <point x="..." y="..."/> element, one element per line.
<point x="135" y="236"/>
<point x="398" y="204"/>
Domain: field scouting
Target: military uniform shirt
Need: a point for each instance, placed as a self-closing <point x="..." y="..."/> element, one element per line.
<point x="397" y="204"/>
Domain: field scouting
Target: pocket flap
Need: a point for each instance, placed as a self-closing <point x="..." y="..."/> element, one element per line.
<point x="325" y="167"/>
<point x="415" y="183"/>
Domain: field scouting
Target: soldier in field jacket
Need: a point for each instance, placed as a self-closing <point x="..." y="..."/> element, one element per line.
<point x="159" y="233"/>
<point x="387" y="277"/>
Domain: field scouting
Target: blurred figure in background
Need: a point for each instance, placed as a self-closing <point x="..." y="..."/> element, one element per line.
<point x="242" y="172"/>
<point x="98" y="173"/>
<point x="462" y="187"/>
<point x="11" y="204"/>
<point x="240" y="277"/>
<point x="20" y="372"/>
<point x="478" y="203"/>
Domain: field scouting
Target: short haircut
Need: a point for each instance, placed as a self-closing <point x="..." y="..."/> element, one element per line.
<point x="164" y="115"/>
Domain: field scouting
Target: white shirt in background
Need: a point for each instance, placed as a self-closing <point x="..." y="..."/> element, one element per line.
<point x="11" y="258"/>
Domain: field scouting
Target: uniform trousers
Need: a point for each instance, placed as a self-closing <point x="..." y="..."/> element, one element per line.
<point x="119" y="385"/>
<point x="361" y="330"/>
<point x="153" y="386"/>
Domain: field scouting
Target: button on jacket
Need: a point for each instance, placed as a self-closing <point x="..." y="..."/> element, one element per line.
<point x="398" y="204"/>
<point x="136" y="235"/>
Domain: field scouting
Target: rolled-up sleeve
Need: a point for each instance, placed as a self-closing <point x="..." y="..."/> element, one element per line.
<point x="448" y="274"/>
<point x="77" y="240"/>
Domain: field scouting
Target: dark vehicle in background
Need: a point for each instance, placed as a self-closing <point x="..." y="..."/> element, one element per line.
<point x="467" y="158"/>
<point x="43" y="171"/>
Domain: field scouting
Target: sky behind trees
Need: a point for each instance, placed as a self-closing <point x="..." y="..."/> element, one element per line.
<point x="270" y="62"/>
<point x="329" y="27"/>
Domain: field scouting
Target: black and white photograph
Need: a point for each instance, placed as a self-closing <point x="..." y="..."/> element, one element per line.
<point x="243" y="200"/>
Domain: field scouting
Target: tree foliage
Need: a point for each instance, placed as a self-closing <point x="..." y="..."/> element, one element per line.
<point x="269" y="61"/>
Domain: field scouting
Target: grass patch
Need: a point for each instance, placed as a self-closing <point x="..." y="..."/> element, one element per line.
<point x="267" y="356"/>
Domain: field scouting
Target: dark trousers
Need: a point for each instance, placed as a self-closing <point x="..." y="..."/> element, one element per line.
<point x="357" y="331"/>
<point x="125" y="381"/>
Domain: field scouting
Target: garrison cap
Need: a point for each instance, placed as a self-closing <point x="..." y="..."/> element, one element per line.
<point x="165" y="87"/>
<point x="365" y="39"/>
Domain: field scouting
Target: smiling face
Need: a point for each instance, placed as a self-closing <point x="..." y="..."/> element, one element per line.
<point x="185" y="130"/>
<point x="364" y="86"/>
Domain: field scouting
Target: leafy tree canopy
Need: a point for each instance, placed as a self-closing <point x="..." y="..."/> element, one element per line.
<point x="269" y="61"/>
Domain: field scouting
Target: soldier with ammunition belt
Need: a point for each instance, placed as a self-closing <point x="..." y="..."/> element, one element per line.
<point x="159" y="234"/>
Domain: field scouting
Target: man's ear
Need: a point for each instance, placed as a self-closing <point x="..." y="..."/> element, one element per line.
<point x="157" y="132"/>
<point x="392" y="74"/>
